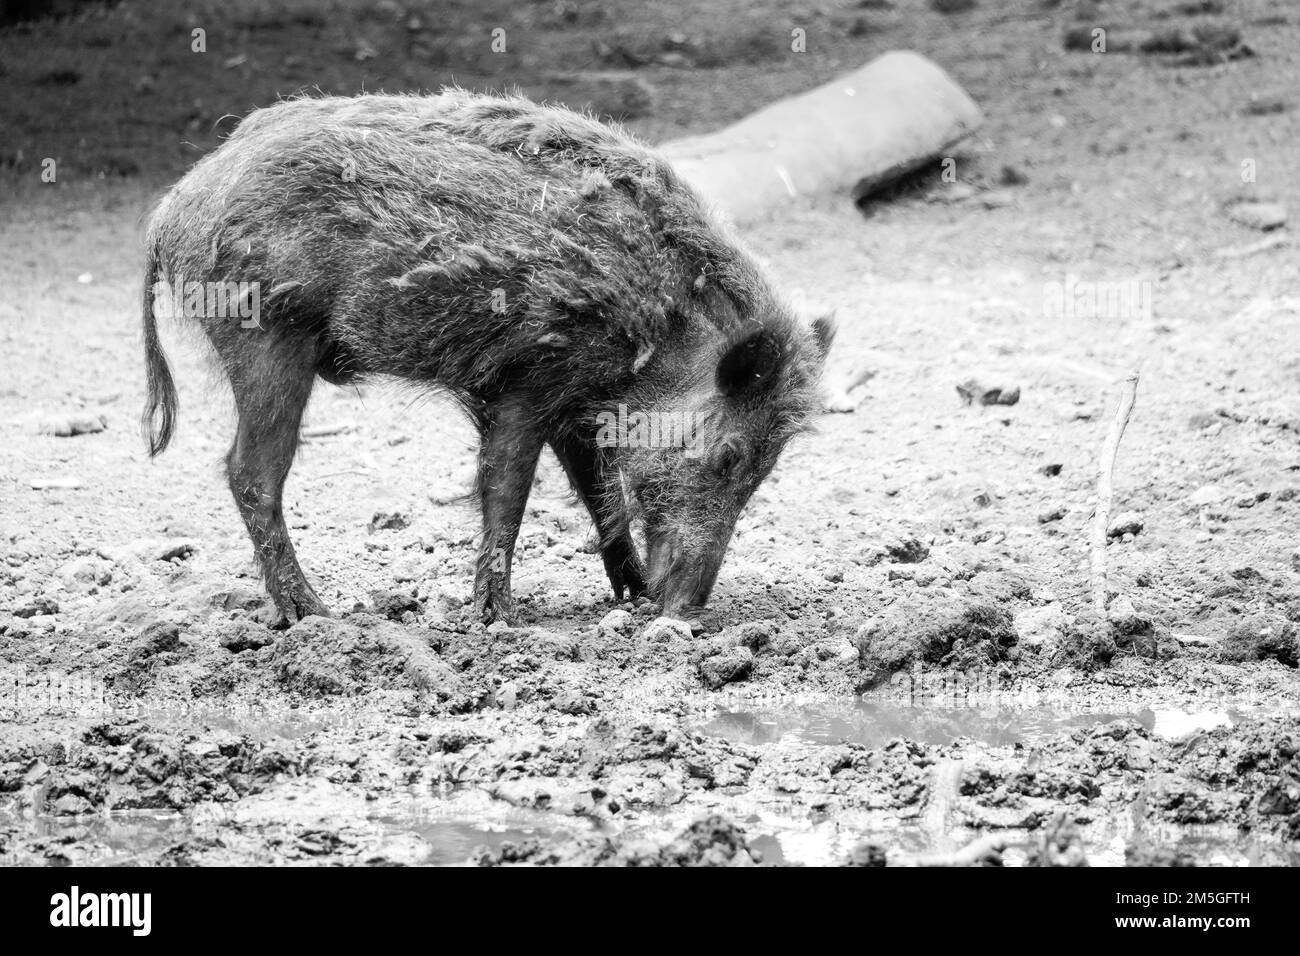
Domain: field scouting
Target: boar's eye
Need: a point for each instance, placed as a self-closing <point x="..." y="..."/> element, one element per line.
<point x="748" y="364"/>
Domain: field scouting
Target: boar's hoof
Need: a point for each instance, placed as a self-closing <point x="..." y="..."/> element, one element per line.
<point x="295" y="609"/>
<point x="629" y="578"/>
<point x="491" y="609"/>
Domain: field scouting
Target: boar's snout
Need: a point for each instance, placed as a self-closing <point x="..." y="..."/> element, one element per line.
<point x="684" y="568"/>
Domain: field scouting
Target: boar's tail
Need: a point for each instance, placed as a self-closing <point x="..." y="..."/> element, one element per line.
<point x="159" y="418"/>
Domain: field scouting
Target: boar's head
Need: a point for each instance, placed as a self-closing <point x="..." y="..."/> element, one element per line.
<point x="700" y="430"/>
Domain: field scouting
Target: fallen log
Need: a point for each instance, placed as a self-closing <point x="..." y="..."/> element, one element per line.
<point x="846" y="137"/>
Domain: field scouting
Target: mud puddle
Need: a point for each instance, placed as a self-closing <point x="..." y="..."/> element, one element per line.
<point x="1109" y="840"/>
<point x="873" y="723"/>
<point x="423" y="831"/>
<point x="829" y="842"/>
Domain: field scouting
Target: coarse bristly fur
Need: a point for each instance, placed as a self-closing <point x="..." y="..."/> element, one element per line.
<point x="540" y="266"/>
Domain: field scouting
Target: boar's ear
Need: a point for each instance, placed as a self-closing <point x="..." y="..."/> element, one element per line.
<point x="749" y="363"/>
<point x="824" y="330"/>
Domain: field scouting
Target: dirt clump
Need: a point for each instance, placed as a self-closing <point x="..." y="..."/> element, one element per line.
<point x="327" y="657"/>
<point x="946" y="631"/>
<point x="123" y="764"/>
<point x="1262" y="637"/>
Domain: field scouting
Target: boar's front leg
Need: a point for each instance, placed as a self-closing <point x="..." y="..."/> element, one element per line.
<point x="582" y="464"/>
<point x="507" y="462"/>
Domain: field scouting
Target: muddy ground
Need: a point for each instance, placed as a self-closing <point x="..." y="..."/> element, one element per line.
<point x="899" y="656"/>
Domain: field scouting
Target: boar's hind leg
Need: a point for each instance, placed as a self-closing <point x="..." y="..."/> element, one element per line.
<point x="622" y="564"/>
<point x="271" y="388"/>
<point x="507" y="462"/>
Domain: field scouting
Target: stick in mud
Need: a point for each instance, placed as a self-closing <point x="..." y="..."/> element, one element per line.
<point x="1105" y="491"/>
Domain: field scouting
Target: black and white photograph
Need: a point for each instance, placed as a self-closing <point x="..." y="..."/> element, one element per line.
<point x="618" y="433"/>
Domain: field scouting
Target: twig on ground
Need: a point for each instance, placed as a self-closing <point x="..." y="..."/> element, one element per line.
<point x="326" y="431"/>
<point x="1105" y="491"/>
<point x="339" y="474"/>
<point x="1276" y="241"/>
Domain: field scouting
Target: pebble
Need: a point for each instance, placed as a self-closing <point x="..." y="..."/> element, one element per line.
<point x="1121" y="609"/>
<point x="998" y="199"/>
<point x="1207" y="495"/>
<point x="840" y="649"/>
<point x="731" y="665"/>
<point x="843" y="403"/>
<point x="428" y="539"/>
<point x="85" y="574"/>
<point x="907" y="550"/>
<point x="1056" y="514"/>
<point x="389" y="519"/>
<point x="663" y="630"/>
<point x="393" y="604"/>
<point x="1128" y="522"/>
<point x="36" y="607"/>
<point x="615" y="624"/>
<point x="973" y="392"/>
<point x="246" y="636"/>
<point x="60" y="483"/>
<point x="156" y="638"/>
<point x="152" y="549"/>
<point x="236" y="599"/>
<point x="1263" y="216"/>
<point x="77" y="423"/>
